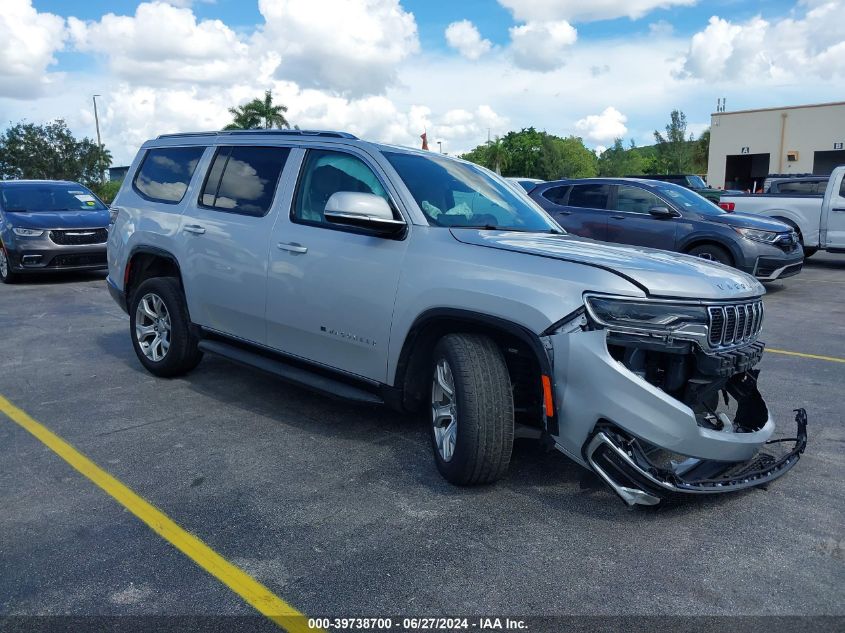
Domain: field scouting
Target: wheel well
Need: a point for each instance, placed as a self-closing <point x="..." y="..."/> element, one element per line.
<point x="524" y="365"/>
<point x="145" y="265"/>
<point x="707" y="242"/>
<point x="790" y="223"/>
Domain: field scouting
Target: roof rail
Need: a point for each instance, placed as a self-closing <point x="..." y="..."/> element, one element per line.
<point x="260" y="132"/>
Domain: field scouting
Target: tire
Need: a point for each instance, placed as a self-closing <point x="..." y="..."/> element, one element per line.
<point x="6" y="274"/>
<point x="163" y="352"/>
<point x="713" y="253"/>
<point x="477" y="449"/>
<point x="809" y="251"/>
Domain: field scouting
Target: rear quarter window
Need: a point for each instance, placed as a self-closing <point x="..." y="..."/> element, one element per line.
<point x="166" y="172"/>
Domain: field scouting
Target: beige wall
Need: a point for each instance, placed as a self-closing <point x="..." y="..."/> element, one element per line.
<point x="807" y="129"/>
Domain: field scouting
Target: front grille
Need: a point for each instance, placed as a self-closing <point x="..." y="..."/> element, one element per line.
<point x="734" y="324"/>
<point x="77" y="237"/>
<point x="79" y="259"/>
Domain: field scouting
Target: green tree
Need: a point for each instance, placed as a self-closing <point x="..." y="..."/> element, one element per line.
<point x="257" y="114"/>
<point x="675" y="150"/>
<point x="534" y="154"/>
<point x="497" y="155"/>
<point x="616" y="160"/>
<point x="701" y="152"/>
<point x="51" y="152"/>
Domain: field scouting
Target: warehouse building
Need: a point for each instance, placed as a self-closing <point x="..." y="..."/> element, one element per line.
<point x="748" y="145"/>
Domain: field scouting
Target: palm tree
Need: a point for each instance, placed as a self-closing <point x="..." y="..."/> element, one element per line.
<point x="258" y="113"/>
<point x="497" y="155"/>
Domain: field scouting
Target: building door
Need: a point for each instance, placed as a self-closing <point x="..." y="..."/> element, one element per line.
<point x="746" y="171"/>
<point x="825" y="162"/>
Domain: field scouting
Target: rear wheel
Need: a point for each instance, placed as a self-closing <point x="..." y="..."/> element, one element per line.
<point x="472" y="418"/>
<point x="713" y="253"/>
<point x="6" y="274"/>
<point x="162" y="334"/>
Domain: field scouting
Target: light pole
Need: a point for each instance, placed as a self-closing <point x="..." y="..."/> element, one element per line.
<point x="440" y="146"/>
<point x="99" y="142"/>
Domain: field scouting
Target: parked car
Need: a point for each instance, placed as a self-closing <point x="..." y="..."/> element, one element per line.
<point x="818" y="219"/>
<point x="48" y="226"/>
<point x="663" y="215"/>
<point x="690" y="181"/>
<point x="382" y="274"/>
<point x="526" y="183"/>
<point x="806" y="186"/>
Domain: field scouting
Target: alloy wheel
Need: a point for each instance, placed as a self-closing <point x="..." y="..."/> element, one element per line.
<point x="152" y="327"/>
<point x="4" y="263"/>
<point x="444" y="410"/>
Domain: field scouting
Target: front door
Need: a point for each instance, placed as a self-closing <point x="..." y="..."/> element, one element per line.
<point x="225" y="240"/>
<point x="631" y="223"/>
<point x="331" y="289"/>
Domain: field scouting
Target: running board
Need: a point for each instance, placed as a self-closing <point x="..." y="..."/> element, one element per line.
<point x="290" y="373"/>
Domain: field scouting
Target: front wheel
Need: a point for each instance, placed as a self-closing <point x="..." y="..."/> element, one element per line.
<point x="472" y="418"/>
<point x="713" y="253"/>
<point x="162" y="334"/>
<point x="6" y="274"/>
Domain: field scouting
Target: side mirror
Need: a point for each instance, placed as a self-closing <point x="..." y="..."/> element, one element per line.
<point x="362" y="210"/>
<point x="662" y="212"/>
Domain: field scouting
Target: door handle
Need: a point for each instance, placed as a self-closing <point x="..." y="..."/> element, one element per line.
<point x="837" y="209"/>
<point x="563" y="212"/>
<point x="617" y="217"/>
<point x="196" y="229"/>
<point x="293" y="247"/>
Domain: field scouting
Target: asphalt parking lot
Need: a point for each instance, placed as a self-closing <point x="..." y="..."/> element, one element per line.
<point x="338" y="509"/>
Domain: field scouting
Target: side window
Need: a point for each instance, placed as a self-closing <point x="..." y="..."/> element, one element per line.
<point x="166" y="172"/>
<point x="556" y="195"/>
<point x="842" y="188"/>
<point x="589" y="196"/>
<point x="243" y="179"/>
<point x="326" y="172"/>
<point x="636" y="200"/>
<point x="799" y="187"/>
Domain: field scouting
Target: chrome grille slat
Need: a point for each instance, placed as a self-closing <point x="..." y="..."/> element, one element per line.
<point x="734" y="324"/>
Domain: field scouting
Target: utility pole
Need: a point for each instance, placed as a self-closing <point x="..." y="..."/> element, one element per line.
<point x="99" y="141"/>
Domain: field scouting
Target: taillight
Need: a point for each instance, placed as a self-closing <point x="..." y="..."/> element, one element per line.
<point x="728" y="206"/>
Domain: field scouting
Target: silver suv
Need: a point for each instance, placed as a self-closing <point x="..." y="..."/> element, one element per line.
<point x="383" y="274"/>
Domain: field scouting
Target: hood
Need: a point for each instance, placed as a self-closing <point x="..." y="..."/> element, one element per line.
<point x="658" y="273"/>
<point x="82" y="219"/>
<point x="748" y="221"/>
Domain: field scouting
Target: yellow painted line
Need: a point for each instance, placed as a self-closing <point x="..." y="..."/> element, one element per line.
<point x="252" y="591"/>
<point x="832" y="359"/>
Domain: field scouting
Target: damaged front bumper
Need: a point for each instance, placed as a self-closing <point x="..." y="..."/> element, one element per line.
<point x="624" y="465"/>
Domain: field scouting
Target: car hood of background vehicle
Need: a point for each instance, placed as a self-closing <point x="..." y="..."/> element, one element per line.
<point x="660" y="273"/>
<point x="748" y="221"/>
<point x="82" y="219"/>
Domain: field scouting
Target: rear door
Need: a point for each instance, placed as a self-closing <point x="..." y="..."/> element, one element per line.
<point x="834" y="207"/>
<point x="225" y="237"/>
<point x="581" y="209"/>
<point x="631" y="223"/>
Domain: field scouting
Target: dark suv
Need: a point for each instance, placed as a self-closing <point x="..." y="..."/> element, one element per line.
<point x="670" y="217"/>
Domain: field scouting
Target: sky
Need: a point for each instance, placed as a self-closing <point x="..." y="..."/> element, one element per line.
<point x="387" y="70"/>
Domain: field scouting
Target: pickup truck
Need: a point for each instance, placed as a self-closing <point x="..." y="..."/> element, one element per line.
<point x="819" y="219"/>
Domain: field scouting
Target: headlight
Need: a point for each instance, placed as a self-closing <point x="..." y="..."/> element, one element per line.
<point x="649" y="316"/>
<point x="28" y="232"/>
<point x="767" y="237"/>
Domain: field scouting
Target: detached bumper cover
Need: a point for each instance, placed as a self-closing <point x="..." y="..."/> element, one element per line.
<point x="621" y="462"/>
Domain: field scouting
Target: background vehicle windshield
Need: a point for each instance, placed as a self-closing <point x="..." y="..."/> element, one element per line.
<point x="688" y="200"/>
<point x="456" y="194"/>
<point x="43" y="196"/>
<point x="697" y="182"/>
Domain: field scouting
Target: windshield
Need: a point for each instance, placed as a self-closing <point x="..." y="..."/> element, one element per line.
<point x="688" y="200"/>
<point x="696" y="182"/>
<point x="455" y="194"/>
<point x="46" y="196"/>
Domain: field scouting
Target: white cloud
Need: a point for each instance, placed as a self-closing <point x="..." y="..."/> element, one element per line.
<point x="345" y="46"/>
<point x="465" y="38"/>
<point x="541" y="45"/>
<point x="580" y="11"/>
<point x="661" y="28"/>
<point x="604" y="127"/>
<point x="28" y="43"/>
<point x="812" y="45"/>
<point x="164" y="44"/>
